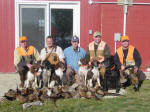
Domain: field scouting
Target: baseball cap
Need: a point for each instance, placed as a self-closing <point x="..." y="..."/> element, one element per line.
<point x="124" y="37"/>
<point x="96" y="33"/>
<point x="22" y="38"/>
<point x="75" y="39"/>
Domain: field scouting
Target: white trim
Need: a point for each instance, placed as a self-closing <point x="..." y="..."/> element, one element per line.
<point x="47" y="25"/>
<point x="45" y="2"/>
<point x="16" y="25"/>
<point x="76" y="15"/>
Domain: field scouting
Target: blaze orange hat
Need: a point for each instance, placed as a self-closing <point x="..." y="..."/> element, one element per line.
<point x="124" y="38"/>
<point x="22" y="38"/>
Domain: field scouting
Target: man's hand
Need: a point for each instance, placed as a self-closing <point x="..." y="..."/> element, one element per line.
<point x="135" y="69"/>
<point x="100" y="65"/>
<point x="29" y="65"/>
<point x="122" y="67"/>
<point x="68" y="67"/>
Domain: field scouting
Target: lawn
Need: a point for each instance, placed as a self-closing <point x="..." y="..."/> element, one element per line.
<point x="132" y="102"/>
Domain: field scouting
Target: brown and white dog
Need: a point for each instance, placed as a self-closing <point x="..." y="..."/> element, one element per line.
<point x="31" y="76"/>
<point x="93" y="74"/>
<point x="82" y="72"/>
<point x="60" y="69"/>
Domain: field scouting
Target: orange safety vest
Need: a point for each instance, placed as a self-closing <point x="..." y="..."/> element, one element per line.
<point x="99" y="55"/>
<point x="129" y="55"/>
<point x="22" y="52"/>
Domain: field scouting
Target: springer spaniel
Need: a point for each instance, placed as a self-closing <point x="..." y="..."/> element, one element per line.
<point x="31" y="76"/>
<point x="93" y="74"/>
<point x="82" y="72"/>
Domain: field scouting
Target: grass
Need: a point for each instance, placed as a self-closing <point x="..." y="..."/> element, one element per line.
<point x="132" y="102"/>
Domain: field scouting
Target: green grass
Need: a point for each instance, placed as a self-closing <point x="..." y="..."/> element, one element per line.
<point x="132" y="102"/>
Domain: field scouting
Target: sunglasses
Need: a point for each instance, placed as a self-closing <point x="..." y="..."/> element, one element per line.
<point x="23" y="41"/>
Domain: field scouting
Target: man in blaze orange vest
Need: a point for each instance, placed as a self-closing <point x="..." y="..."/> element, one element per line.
<point x="127" y="55"/>
<point x="98" y="50"/>
<point x="24" y="56"/>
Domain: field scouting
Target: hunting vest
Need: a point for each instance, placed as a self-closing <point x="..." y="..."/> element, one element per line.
<point x="53" y="57"/>
<point x="27" y="56"/>
<point x="99" y="54"/>
<point x="129" y="60"/>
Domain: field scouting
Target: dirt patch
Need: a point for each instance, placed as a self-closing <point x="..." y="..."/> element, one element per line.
<point x="8" y="81"/>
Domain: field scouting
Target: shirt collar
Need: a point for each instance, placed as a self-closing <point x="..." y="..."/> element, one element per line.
<point x="78" y="48"/>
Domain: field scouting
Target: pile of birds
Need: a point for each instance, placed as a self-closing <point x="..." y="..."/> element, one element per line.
<point x="27" y="95"/>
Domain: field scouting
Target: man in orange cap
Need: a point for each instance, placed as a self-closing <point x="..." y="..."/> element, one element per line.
<point x="24" y="56"/>
<point x="127" y="55"/>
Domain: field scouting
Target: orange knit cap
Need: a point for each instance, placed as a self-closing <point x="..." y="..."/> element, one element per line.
<point x="22" y="38"/>
<point x="124" y="38"/>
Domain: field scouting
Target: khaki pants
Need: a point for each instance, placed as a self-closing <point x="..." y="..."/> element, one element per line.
<point x="102" y="72"/>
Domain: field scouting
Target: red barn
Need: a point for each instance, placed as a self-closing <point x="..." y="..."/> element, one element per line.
<point x="63" y="18"/>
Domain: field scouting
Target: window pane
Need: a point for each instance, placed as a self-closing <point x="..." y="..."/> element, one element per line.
<point x="62" y="26"/>
<point x="33" y="26"/>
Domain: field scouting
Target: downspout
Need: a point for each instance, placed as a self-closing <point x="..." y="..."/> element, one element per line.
<point x="125" y="7"/>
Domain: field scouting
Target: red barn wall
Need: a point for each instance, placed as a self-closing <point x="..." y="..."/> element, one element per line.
<point x="106" y="18"/>
<point x="7" y="35"/>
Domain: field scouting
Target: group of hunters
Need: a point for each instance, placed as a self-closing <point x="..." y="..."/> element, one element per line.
<point x="26" y="55"/>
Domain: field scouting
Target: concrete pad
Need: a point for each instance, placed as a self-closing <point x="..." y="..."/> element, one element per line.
<point x="8" y="81"/>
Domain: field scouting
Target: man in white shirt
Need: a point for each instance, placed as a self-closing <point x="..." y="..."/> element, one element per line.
<point x="52" y="51"/>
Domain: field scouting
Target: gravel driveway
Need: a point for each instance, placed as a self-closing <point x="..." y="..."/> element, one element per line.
<point x="8" y="81"/>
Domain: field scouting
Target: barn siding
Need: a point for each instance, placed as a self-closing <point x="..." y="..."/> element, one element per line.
<point x="7" y="35"/>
